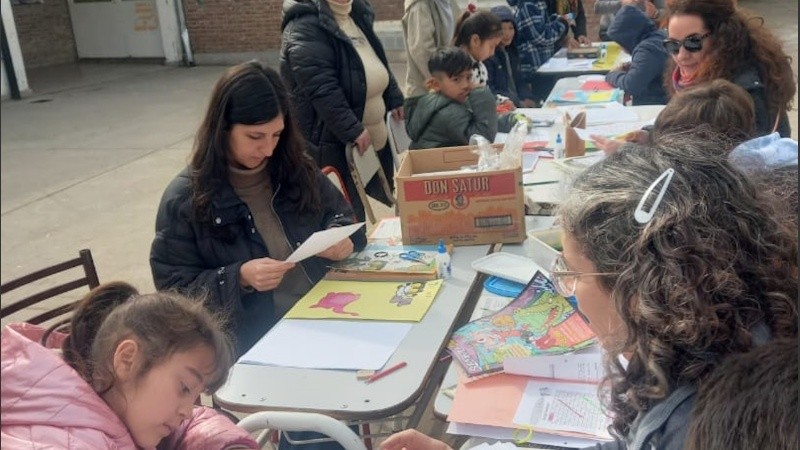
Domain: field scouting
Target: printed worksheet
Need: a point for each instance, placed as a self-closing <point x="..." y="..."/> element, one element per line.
<point x="562" y="407"/>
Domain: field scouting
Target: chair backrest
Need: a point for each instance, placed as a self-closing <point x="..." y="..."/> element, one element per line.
<point x="89" y="278"/>
<point x="303" y="421"/>
<point x="336" y="179"/>
<point x="362" y="169"/>
<point x="398" y="138"/>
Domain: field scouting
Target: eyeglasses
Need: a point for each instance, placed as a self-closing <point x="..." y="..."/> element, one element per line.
<point x="692" y="43"/>
<point x="565" y="280"/>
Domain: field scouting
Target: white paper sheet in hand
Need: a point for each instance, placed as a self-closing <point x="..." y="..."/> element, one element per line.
<point x="322" y="240"/>
<point x="328" y="344"/>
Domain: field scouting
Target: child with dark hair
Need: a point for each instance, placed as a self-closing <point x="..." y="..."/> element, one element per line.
<point x="715" y="108"/>
<point x="642" y="76"/>
<point x="503" y="68"/>
<point x="130" y="371"/>
<point x="749" y="401"/>
<point x="455" y="108"/>
<point x="478" y="33"/>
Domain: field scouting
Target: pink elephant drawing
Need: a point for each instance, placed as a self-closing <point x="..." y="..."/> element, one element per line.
<point x="337" y="301"/>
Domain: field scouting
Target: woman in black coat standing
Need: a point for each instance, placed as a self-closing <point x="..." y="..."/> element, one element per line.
<point x="340" y="84"/>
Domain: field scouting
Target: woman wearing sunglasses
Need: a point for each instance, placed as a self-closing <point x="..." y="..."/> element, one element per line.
<point x="676" y="262"/>
<point x="713" y="39"/>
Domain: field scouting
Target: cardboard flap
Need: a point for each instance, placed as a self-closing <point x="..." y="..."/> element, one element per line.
<point x="573" y="144"/>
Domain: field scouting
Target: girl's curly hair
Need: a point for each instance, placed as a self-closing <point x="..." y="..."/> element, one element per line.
<point x="739" y="40"/>
<point x="693" y="284"/>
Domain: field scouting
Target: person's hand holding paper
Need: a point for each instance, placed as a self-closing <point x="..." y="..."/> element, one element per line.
<point x="327" y="244"/>
<point x="338" y="251"/>
<point x="263" y="274"/>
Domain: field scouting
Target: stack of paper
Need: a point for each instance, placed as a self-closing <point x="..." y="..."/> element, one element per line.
<point x="476" y="411"/>
<point x="328" y="344"/>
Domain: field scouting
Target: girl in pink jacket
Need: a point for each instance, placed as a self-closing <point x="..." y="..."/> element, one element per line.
<point x="130" y="371"/>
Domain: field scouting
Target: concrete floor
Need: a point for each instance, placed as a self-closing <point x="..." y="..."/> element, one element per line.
<point x="85" y="159"/>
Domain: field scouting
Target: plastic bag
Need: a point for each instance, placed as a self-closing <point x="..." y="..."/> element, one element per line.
<point x="512" y="150"/>
<point x="488" y="157"/>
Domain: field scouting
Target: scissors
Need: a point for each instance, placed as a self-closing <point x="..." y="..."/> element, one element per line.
<point x="413" y="255"/>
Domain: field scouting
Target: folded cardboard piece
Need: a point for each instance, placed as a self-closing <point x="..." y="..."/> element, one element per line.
<point x="573" y="144"/>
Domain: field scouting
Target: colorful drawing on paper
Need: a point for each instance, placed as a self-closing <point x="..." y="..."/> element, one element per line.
<point x="337" y="301"/>
<point x="538" y="321"/>
<point x="367" y="300"/>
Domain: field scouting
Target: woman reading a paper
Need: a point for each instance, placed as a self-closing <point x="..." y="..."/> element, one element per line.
<point x="676" y="261"/>
<point x="248" y="198"/>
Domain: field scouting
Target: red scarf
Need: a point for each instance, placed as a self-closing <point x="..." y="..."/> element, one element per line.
<point x="680" y="83"/>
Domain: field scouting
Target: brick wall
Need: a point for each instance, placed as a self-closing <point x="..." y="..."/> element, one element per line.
<point x="45" y="33"/>
<point x="387" y="9"/>
<point x="241" y="26"/>
<point x="592" y="20"/>
<point x="233" y="26"/>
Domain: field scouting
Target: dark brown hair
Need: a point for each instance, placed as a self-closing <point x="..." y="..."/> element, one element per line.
<point x="693" y="283"/>
<point x="739" y="40"/>
<point x="162" y="324"/>
<point x="482" y="23"/>
<point x="250" y="94"/>
<point x="750" y="401"/>
<point x="724" y="107"/>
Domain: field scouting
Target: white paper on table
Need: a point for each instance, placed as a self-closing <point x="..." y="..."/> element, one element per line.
<point x="563" y="406"/>
<point x="538" y="113"/>
<point x="322" y="240"/>
<point x="610" y="130"/>
<point x="535" y="135"/>
<point x="546" y="171"/>
<point x="328" y="344"/>
<point x="495" y="446"/>
<point x="387" y="228"/>
<point x="602" y="113"/>
<point x="490" y="432"/>
<point x="583" y="367"/>
<point x="552" y="194"/>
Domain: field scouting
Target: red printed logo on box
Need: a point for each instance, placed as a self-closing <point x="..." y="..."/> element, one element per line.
<point x="461" y="188"/>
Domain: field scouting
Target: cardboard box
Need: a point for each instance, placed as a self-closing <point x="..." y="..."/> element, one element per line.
<point x="461" y="208"/>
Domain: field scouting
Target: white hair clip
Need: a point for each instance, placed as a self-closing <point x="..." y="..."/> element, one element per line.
<point x="640" y="214"/>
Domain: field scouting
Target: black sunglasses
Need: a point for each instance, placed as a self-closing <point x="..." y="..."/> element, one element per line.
<point x="693" y="43"/>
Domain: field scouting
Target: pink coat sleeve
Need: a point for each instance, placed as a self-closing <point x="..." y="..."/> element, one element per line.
<point x="207" y="429"/>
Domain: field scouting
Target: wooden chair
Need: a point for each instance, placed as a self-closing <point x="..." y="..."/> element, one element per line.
<point x="363" y="168"/>
<point x="398" y="139"/>
<point x="89" y="279"/>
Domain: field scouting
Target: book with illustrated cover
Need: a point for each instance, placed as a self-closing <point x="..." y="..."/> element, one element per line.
<point x="401" y="301"/>
<point x="537" y="322"/>
<point x="387" y="263"/>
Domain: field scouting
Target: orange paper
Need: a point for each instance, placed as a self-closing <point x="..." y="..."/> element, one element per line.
<point x="477" y="402"/>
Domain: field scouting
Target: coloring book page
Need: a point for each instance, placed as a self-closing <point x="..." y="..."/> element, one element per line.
<point x="537" y="322"/>
<point x="367" y="300"/>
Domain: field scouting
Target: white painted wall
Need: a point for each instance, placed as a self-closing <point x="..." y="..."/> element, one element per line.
<point x="16" y="54"/>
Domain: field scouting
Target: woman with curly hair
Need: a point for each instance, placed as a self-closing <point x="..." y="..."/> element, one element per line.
<point x="713" y="39"/>
<point x="676" y="261"/>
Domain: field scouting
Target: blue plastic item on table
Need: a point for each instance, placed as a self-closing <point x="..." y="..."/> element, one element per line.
<point x="501" y="286"/>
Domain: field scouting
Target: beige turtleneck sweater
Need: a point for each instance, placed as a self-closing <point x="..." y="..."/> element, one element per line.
<point x="377" y="76"/>
<point x="254" y="187"/>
